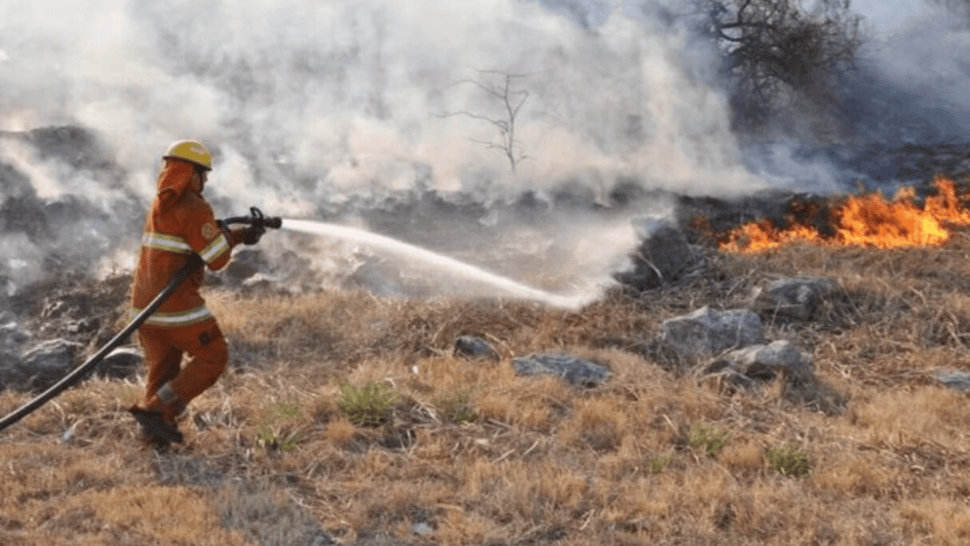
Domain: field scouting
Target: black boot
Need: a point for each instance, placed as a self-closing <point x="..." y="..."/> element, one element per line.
<point x="154" y="426"/>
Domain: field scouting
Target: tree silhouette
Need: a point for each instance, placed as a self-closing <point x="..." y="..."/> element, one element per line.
<point x="510" y="100"/>
<point x="782" y="59"/>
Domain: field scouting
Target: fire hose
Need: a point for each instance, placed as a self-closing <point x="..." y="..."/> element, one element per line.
<point x="255" y="219"/>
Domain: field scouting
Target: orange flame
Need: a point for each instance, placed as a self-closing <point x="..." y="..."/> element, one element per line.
<point x="867" y="221"/>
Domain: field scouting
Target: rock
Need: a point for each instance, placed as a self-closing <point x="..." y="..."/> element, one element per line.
<point x="662" y="256"/>
<point x="475" y="347"/>
<point x="707" y="332"/>
<point x="954" y="379"/>
<point x="121" y="362"/>
<point x="10" y="365"/>
<point x="12" y="335"/>
<point x="47" y="363"/>
<point x="578" y="372"/>
<point x="764" y="362"/>
<point x="422" y="528"/>
<point x="798" y="298"/>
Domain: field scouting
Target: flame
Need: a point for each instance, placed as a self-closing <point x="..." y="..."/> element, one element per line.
<point x="866" y="221"/>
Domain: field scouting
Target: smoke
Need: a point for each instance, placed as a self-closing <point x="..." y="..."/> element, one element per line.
<point x="352" y="93"/>
<point x="322" y="109"/>
<point x="920" y="72"/>
<point x="314" y="107"/>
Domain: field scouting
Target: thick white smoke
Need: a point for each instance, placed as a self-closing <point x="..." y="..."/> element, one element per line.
<point x="313" y="105"/>
<point x="310" y="104"/>
<point x="352" y="94"/>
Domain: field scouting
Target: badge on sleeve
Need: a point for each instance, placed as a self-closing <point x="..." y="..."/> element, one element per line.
<point x="209" y="231"/>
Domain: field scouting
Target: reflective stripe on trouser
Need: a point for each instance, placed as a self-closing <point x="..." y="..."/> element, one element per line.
<point x="180" y="318"/>
<point x="164" y="347"/>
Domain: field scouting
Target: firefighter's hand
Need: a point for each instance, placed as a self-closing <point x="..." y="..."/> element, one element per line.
<point x="235" y="235"/>
<point x="253" y="234"/>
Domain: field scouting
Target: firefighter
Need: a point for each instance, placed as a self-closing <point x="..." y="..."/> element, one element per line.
<point x="180" y="223"/>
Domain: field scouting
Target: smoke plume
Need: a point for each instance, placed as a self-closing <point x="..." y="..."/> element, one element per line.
<point x="362" y="110"/>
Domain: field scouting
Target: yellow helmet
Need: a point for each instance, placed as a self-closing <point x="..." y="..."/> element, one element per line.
<point x="190" y="150"/>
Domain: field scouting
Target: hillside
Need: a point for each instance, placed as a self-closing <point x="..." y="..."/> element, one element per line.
<point x="472" y="453"/>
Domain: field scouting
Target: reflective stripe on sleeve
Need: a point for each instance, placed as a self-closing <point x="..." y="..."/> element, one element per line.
<point x="168" y="243"/>
<point x="181" y="318"/>
<point x="216" y="248"/>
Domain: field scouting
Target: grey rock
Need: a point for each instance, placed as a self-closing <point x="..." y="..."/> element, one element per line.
<point x="707" y="332"/>
<point x="764" y="362"/>
<point x="121" y="362"/>
<point x="12" y="335"/>
<point x="662" y="256"/>
<point x="954" y="379"/>
<point x="798" y="298"/>
<point x="475" y="347"/>
<point x="10" y="375"/>
<point x="422" y="528"/>
<point x="47" y="363"/>
<point x="576" y="371"/>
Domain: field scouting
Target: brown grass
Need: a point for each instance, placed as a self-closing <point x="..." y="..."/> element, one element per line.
<point x="543" y="462"/>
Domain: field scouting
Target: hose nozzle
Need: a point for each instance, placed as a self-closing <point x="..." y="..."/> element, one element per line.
<point x="255" y="219"/>
<point x="259" y="220"/>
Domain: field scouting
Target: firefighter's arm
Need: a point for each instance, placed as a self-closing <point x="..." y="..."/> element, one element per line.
<point x="216" y="246"/>
<point x="205" y="236"/>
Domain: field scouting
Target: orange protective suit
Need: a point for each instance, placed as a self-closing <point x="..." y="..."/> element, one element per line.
<point x="180" y="222"/>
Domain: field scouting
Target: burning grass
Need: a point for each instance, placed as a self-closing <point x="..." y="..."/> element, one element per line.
<point x="652" y="457"/>
<point x="868" y="220"/>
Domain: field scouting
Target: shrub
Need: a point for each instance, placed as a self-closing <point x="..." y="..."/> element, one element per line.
<point x="789" y="460"/>
<point x="658" y="463"/>
<point x="271" y="433"/>
<point x="457" y="408"/>
<point x="708" y="438"/>
<point x="369" y="405"/>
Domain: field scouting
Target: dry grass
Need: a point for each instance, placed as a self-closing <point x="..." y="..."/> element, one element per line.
<point x="541" y="462"/>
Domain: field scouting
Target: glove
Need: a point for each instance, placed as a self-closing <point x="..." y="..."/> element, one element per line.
<point x="253" y="234"/>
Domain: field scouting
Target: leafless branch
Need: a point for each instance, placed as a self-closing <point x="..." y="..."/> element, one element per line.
<point x="511" y="100"/>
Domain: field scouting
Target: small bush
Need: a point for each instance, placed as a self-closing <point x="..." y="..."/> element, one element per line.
<point x="789" y="460"/>
<point x="271" y="433"/>
<point x="658" y="463"/>
<point x="457" y="408"/>
<point x="708" y="438"/>
<point x="369" y="405"/>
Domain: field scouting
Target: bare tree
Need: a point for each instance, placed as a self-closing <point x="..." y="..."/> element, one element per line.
<point x="782" y="58"/>
<point x="510" y="100"/>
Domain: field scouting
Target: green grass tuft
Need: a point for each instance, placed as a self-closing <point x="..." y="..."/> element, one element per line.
<point x="367" y="406"/>
<point x="707" y="437"/>
<point x="789" y="460"/>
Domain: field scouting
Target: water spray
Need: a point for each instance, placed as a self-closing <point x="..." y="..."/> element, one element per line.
<point x="502" y="284"/>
